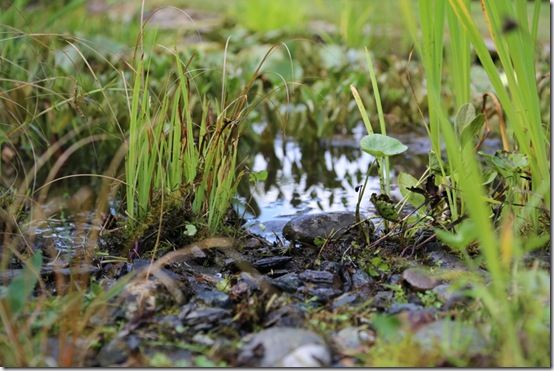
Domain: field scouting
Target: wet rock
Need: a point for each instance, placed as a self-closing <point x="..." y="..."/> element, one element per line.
<point x="401" y="307"/>
<point x="203" y="339"/>
<point x="395" y="279"/>
<point x="360" y="279"/>
<point x="113" y="353"/>
<point x="383" y="299"/>
<point x="454" y="338"/>
<point x="142" y="264"/>
<point x="287" y="316"/>
<point x="443" y="259"/>
<point x="285" y="347"/>
<point x="419" y="279"/>
<point x="348" y="298"/>
<point x="204" y="318"/>
<point x="306" y="228"/>
<point x="323" y="294"/>
<point x="322" y="277"/>
<point x="311" y="355"/>
<point x="288" y="282"/>
<point x="415" y="319"/>
<point x="117" y="351"/>
<point x="351" y="340"/>
<point x="253" y="243"/>
<point x="330" y="266"/>
<point x="266" y="264"/>
<point x="450" y="297"/>
<point x="213" y="298"/>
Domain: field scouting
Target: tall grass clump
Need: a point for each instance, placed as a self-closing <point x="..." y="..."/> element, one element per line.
<point x="515" y="39"/>
<point x="501" y="244"/>
<point x="171" y="152"/>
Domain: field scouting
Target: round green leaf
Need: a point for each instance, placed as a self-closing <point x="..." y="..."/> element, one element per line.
<point x="379" y="145"/>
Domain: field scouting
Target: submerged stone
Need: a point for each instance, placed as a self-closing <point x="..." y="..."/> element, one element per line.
<point x="306" y="228"/>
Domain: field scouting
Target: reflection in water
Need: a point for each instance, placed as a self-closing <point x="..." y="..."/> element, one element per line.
<point x="315" y="177"/>
<point x="308" y="178"/>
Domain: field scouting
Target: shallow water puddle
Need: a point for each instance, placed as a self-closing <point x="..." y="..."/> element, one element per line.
<point x="304" y="179"/>
<point x="309" y="179"/>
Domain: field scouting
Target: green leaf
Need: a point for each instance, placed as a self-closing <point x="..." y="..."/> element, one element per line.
<point x="464" y="117"/>
<point x="387" y="326"/>
<point x="379" y="145"/>
<point x="406" y="181"/>
<point x="508" y="164"/>
<point x="23" y="285"/>
<point x="471" y="130"/>
<point x="467" y="233"/>
<point x="258" y="176"/>
<point x="434" y="165"/>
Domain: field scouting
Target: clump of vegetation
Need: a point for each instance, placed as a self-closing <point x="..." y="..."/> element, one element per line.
<point x="169" y="153"/>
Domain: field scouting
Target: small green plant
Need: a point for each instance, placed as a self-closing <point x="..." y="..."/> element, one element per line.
<point x="376" y="265"/>
<point x="380" y="146"/>
<point x="429" y="299"/>
<point x="399" y="293"/>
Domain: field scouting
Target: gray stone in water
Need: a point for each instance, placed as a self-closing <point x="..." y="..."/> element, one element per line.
<point x="285" y="347"/>
<point x="306" y="228"/>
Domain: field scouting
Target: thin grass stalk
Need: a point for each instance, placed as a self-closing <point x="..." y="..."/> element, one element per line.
<point x="385" y="162"/>
<point x="459" y="59"/>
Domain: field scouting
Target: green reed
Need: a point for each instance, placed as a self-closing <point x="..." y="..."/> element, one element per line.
<point x="501" y="249"/>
